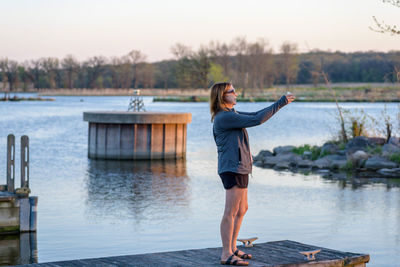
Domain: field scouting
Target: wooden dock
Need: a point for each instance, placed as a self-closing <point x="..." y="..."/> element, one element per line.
<point x="279" y="253"/>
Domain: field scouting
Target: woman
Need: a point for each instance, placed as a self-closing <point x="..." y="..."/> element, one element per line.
<point x="235" y="161"/>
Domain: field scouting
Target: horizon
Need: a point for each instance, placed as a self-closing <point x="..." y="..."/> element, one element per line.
<point x="85" y="29"/>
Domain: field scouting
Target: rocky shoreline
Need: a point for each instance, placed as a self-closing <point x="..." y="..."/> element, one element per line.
<point x="361" y="157"/>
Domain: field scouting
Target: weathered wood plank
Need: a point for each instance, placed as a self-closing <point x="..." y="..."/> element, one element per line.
<point x="284" y="253"/>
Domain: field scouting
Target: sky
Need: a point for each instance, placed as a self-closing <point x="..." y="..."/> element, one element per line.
<point x="85" y="28"/>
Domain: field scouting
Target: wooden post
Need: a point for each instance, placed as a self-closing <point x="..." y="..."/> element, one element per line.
<point x="10" y="163"/>
<point x="24" y="161"/>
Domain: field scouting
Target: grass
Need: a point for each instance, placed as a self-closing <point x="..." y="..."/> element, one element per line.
<point x="395" y="158"/>
<point x="315" y="151"/>
<point x="348" y="167"/>
<point x="374" y="150"/>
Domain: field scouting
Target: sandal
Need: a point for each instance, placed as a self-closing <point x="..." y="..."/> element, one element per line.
<point x="234" y="262"/>
<point x="243" y="256"/>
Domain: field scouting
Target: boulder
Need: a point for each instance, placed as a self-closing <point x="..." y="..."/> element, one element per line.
<point x="307" y="155"/>
<point x="326" y="162"/>
<point x="321" y="163"/>
<point x="329" y="148"/>
<point x="358" y="157"/>
<point x="337" y="164"/>
<point x="390" y="149"/>
<point x="394" y="141"/>
<point x="341" y="152"/>
<point x="283" y="150"/>
<point x="304" y="163"/>
<point x="290" y="158"/>
<point x="269" y="161"/>
<point x="359" y="143"/>
<point x="376" y="163"/>
<point x="377" y="141"/>
<point x="262" y="154"/>
<point x="390" y="173"/>
<point x="283" y="165"/>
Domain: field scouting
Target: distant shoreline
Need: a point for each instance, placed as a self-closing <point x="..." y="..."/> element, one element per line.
<point x="344" y="93"/>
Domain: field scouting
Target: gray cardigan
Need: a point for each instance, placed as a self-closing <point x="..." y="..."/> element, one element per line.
<point x="232" y="139"/>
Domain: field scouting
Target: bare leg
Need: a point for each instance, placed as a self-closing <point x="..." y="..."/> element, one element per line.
<point x="232" y="202"/>
<point x="243" y="206"/>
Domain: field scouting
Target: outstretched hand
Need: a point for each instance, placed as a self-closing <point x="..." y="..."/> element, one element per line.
<point x="290" y="98"/>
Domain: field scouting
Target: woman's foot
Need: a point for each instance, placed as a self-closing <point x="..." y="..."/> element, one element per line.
<point x="233" y="260"/>
<point x="242" y="255"/>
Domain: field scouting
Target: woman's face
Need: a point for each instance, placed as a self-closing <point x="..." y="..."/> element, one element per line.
<point x="230" y="96"/>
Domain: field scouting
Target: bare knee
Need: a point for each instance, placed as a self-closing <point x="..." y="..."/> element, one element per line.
<point x="242" y="210"/>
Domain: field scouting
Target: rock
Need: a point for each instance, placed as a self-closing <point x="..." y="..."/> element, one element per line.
<point x="389" y="149"/>
<point x="341" y="152"/>
<point x="325" y="162"/>
<point x="359" y="143"/>
<point x="283" y="165"/>
<point x="321" y="163"/>
<point x="304" y="163"/>
<point x="377" y="141"/>
<point x="323" y="171"/>
<point x="290" y="158"/>
<point x="328" y="148"/>
<point x="358" y="157"/>
<point x="376" y="162"/>
<point x="392" y="173"/>
<point x="283" y="149"/>
<point x="258" y="163"/>
<point x="269" y="161"/>
<point x="262" y="154"/>
<point x="337" y="164"/>
<point x="307" y="155"/>
<point x="394" y="141"/>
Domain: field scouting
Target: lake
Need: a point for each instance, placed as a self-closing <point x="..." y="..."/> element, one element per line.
<point x="94" y="208"/>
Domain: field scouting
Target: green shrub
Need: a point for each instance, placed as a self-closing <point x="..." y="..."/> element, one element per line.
<point x="315" y="151"/>
<point x="301" y="149"/>
<point x="349" y="166"/>
<point x="374" y="150"/>
<point x="395" y="158"/>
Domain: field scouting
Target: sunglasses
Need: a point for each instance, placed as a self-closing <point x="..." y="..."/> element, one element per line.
<point x="230" y="91"/>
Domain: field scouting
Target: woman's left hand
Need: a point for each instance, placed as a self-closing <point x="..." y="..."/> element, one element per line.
<point x="290" y="97"/>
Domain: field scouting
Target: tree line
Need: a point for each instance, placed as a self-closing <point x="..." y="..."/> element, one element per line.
<point x="246" y="64"/>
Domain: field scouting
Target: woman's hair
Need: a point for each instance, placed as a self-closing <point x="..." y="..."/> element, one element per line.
<point x="217" y="98"/>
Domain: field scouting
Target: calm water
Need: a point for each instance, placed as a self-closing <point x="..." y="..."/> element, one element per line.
<point x="92" y="208"/>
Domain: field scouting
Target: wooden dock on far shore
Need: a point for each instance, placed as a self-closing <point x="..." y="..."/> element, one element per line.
<point x="278" y="253"/>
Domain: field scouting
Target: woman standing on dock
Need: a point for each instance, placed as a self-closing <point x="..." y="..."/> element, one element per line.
<point x="235" y="161"/>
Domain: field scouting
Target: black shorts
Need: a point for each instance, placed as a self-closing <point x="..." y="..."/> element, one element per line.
<point x="230" y="179"/>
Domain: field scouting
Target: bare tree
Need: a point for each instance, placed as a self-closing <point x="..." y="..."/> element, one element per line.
<point x="381" y="26"/>
<point x="163" y="73"/>
<point x="200" y="66"/>
<point x="9" y="68"/>
<point x="35" y="70"/>
<point x="50" y="66"/>
<point x="260" y="63"/>
<point x="136" y="57"/>
<point x="289" y="61"/>
<point x="221" y="54"/>
<point x="115" y="67"/>
<point x="145" y="75"/>
<point x="183" y="70"/>
<point x="94" y="67"/>
<point x="239" y="46"/>
<point x="71" y="69"/>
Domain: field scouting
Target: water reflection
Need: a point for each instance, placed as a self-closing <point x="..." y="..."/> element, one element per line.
<point x="18" y="249"/>
<point x="136" y="189"/>
<point x="350" y="181"/>
<point x="353" y="181"/>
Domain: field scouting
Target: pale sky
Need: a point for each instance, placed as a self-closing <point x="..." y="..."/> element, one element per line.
<point x="30" y="29"/>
